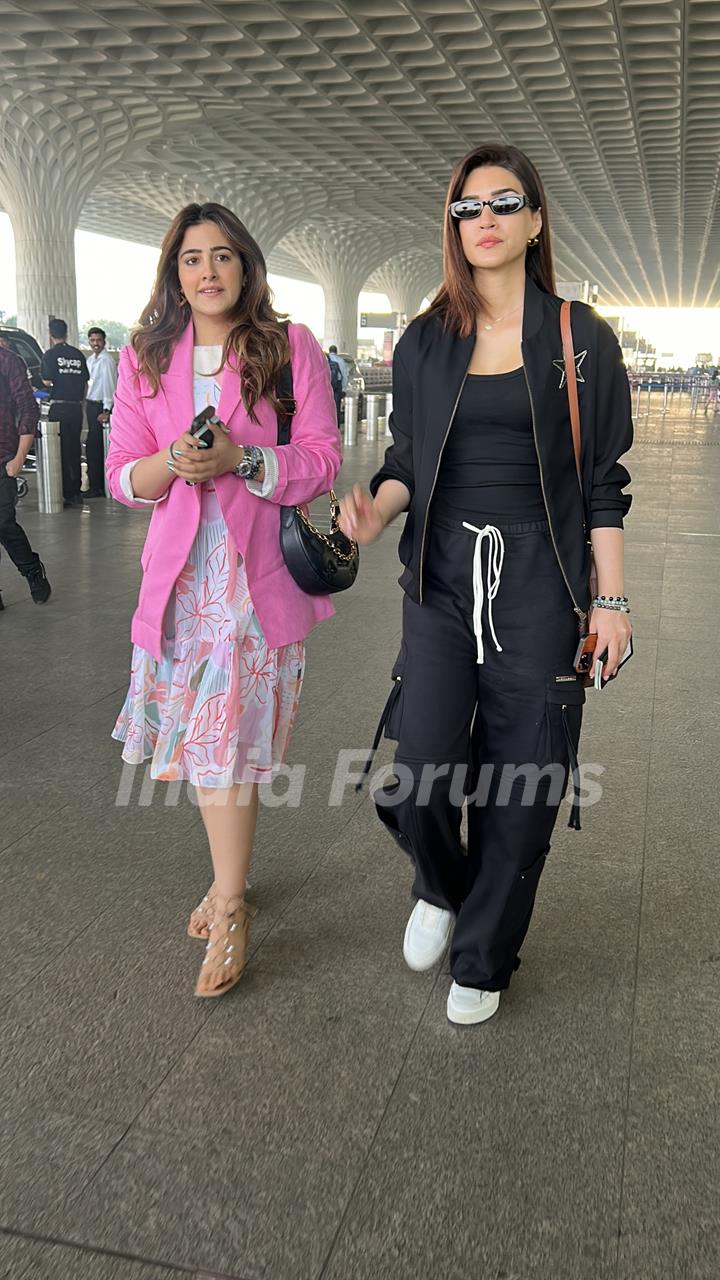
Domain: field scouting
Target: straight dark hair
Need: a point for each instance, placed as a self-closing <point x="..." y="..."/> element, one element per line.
<point x="256" y="335"/>
<point x="457" y="302"/>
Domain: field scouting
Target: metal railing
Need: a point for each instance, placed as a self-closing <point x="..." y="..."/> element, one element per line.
<point x="701" y="389"/>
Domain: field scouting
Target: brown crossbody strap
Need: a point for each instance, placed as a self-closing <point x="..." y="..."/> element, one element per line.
<point x="571" y="379"/>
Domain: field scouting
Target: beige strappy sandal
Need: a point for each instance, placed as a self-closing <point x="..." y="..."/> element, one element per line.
<point x="202" y="917"/>
<point x="226" y="949"/>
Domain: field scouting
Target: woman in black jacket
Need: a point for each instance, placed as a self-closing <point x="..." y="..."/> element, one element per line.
<point x="496" y="549"/>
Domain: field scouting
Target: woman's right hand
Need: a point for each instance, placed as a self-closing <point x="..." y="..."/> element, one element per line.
<point x="360" y="519"/>
<point x="186" y="446"/>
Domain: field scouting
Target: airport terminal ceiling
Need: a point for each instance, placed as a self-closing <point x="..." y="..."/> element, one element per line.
<point x="331" y="128"/>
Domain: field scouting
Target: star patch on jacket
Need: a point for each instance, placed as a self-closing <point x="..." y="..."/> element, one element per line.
<point x="560" y="364"/>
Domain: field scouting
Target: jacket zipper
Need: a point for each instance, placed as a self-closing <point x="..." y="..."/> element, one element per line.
<point x="581" y="615"/>
<point x="434" y="483"/>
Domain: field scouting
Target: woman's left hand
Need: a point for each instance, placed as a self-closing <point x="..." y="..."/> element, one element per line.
<point x="193" y="463"/>
<point x="613" y="630"/>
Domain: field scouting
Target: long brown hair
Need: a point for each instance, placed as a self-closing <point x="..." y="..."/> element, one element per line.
<point x="457" y="300"/>
<point x="256" y="335"/>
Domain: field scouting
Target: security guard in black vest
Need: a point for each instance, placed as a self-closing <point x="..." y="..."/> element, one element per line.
<point x="64" y="369"/>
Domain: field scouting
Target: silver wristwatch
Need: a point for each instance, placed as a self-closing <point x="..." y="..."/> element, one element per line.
<point x="250" y="464"/>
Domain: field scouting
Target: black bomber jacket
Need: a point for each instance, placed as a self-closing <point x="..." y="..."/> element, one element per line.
<point x="429" y="369"/>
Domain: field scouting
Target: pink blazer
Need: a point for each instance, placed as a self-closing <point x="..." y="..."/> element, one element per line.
<point x="307" y="467"/>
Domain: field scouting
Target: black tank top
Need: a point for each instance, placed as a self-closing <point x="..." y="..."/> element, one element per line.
<point x="489" y="465"/>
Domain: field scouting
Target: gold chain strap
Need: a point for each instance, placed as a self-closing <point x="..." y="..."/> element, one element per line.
<point x="343" y="556"/>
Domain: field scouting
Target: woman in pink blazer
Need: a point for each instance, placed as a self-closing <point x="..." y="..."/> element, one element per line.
<point x="218" y="633"/>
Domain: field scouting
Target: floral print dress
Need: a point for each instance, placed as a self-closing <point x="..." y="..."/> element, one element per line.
<point x="219" y="708"/>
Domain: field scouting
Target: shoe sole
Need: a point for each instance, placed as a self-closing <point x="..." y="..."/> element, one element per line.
<point x="463" y="1019"/>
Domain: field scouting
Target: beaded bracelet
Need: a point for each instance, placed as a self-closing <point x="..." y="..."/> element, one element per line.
<point x="620" y="604"/>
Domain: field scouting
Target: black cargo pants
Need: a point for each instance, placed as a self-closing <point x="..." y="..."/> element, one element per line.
<point x="499" y="735"/>
<point x="95" y="446"/>
<point x="13" y="538"/>
<point x="69" y="415"/>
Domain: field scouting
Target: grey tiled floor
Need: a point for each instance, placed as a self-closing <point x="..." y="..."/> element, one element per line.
<point x="325" y="1120"/>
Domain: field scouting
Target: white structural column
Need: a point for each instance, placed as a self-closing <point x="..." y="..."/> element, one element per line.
<point x="53" y="150"/>
<point x="44" y="229"/>
<point x="406" y="278"/>
<point x="340" y="256"/>
<point x="44" y="176"/>
<point x="341" y="289"/>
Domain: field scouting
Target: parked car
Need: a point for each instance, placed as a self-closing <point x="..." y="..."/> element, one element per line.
<point x="23" y="344"/>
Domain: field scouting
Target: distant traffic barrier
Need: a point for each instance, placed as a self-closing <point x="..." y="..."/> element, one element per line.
<point x="374" y="402"/>
<point x="49" y="468"/>
<point x="351" y="420"/>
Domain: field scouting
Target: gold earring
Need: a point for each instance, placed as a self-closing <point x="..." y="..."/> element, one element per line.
<point x="534" y="241"/>
<point x="181" y="298"/>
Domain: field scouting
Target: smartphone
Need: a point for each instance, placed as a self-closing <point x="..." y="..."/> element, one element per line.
<point x="200" y="430"/>
<point x="600" y="680"/>
<point x="585" y="654"/>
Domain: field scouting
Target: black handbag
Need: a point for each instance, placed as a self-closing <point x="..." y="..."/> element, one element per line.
<point x="321" y="563"/>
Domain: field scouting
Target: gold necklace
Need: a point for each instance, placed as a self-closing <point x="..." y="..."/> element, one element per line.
<point x="488" y="327"/>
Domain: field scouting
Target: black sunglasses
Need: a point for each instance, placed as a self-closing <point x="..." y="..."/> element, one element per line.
<point x="500" y="205"/>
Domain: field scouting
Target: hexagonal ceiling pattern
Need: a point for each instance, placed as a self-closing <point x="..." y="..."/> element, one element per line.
<point x="342" y="120"/>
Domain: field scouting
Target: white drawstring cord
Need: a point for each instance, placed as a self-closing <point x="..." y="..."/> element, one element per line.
<point x="496" y="556"/>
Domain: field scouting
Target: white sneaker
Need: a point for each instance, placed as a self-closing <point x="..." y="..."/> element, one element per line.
<point x="467" y="1005"/>
<point x="426" y="935"/>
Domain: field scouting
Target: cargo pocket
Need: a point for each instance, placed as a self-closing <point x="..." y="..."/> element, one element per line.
<point x="564" y="701"/>
<point x="390" y="719"/>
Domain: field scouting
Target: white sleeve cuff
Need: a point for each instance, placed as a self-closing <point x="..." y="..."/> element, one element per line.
<point x="267" y="488"/>
<point x="125" y="481"/>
